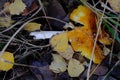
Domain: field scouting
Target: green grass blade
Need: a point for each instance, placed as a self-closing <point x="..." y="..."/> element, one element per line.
<point x="1" y="45"/>
<point x="112" y="31"/>
<point x="114" y="22"/>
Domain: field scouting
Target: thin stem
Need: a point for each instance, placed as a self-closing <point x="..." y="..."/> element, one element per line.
<point x="12" y="37"/>
<point x="95" y="42"/>
<point x="106" y="76"/>
<point x="110" y="59"/>
<point x="43" y="10"/>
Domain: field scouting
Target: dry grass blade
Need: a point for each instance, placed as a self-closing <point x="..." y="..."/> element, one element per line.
<point x="5" y="47"/>
<point x="99" y="27"/>
<point x="110" y="59"/>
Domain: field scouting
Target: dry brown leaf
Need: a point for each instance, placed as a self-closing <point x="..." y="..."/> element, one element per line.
<point x="75" y="68"/>
<point x="115" y="4"/>
<point x="31" y="9"/>
<point x="32" y="26"/>
<point x="68" y="54"/>
<point x="59" y="42"/>
<point x="16" y="7"/>
<point x="58" y="65"/>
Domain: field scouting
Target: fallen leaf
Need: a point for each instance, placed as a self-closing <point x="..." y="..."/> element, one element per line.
<point x="5" y="21"/>
<point x="6" y="56"/>
<point x="2" y="2"/>
<point x="59" y="42"/>
<point x="32" y="26"/>
<point x="31" y="7"/>
<point x="75" y="68"/>
<point x="115" y="4"/>
<point x="16" y="7"/>
<point x="68" y="54"/>
<point x="58" y="65"/>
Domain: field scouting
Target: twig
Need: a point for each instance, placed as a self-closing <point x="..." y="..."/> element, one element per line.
<point x="111" y="69"/>
<point x="95" y="42"/>
<point x="4" y="75"/>
<point x="12" y="37"/>
<point x="22" y="20"/>
<point x="27" y="42"/>
<point x="105" y="6"/>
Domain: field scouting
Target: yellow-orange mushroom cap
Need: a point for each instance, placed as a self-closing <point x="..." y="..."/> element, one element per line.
<point x="83" y="43"/>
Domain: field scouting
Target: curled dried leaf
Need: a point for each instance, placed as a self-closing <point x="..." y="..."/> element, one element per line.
<point x="75" y="68"/>
<point x="58" y="65"/>
<point x="59" y="42"/>
<point x="6" y="56"/>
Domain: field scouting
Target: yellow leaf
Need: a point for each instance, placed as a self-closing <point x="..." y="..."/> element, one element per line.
<point x="5" y="21"/>
<point x="32" y="26"/>
<point x="58" y="65"/>
<point x="68" y="54"/>
<point x="16" y="7"/>
<point x="59" y="42"/>
<point x="5" y="66"/>
<point x="75" y="68"/>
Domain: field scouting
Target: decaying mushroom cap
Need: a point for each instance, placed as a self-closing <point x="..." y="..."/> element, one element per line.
<point x="82" y="38"/>
<point x="84" y="16"/>
<point x="83" y="43"/>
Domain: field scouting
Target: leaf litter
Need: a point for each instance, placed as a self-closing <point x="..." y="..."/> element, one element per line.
<point x="65" y="55"/>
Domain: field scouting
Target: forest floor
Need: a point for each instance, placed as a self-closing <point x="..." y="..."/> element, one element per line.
<point x="36" y="59"/>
